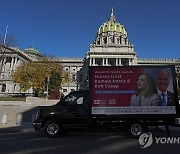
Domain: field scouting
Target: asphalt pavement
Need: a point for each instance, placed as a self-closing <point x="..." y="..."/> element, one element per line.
<point x="25" y="140"/>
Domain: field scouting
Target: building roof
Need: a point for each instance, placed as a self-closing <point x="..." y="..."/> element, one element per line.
<point x="31" y="51"/>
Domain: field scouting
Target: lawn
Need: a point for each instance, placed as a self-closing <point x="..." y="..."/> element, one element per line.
<point x="12" y="98"/>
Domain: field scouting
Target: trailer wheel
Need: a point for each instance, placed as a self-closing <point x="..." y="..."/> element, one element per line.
<point x="135" y="130"/>
<point x="52" y="128"/>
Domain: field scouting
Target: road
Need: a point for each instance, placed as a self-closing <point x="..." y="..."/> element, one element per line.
<point x="28" y="141"/>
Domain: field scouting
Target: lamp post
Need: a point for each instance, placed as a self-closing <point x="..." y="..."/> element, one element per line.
<point x="47" y="87"/>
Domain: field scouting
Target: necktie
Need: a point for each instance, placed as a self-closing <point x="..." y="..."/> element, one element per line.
<point x="163" y="99"/>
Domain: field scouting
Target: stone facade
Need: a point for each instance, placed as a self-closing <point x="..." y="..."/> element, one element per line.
<point x="11" y="58"/>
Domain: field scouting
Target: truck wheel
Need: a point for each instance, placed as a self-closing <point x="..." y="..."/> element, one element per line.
<point x="52" y="128"/>
<point x="135" y="130"/>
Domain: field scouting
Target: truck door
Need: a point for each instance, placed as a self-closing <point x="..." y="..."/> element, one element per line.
<point x="73" y="109"/>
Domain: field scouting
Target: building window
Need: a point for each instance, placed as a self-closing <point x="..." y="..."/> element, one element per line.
<point x="64" y="90"/>
<point x="118" y="41"/>
<point x="111" y="39"/>
<point x="125" y="61"/>
<point x="105" y="40"/>
<point x="98" y="41"/>
<point x="98" y="61"/>
<point x="112" y="62"/>
<point x="3" y="88"/>
<point x="125" y="40"/>
<point x="14" y="89"/>
<point x="73" y="78"/>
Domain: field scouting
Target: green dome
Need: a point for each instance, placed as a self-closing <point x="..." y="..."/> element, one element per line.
<point x="31" y="51"/>
<point x="112" y="26"/>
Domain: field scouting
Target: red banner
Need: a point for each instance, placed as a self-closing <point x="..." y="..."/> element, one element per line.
<point x="126" y="87"/>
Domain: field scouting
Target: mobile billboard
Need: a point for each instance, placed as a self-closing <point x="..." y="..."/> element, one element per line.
<point x="133" y="90"/>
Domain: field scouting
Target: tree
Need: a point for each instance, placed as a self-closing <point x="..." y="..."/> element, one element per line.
<point x="54" y="85"/>
<point x="34" y="74"/>
<point x="55" y="81"/>
<point x="10" y="41"/>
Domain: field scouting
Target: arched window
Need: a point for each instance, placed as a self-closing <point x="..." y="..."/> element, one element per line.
<point x="3" y="88"/>
<point x="118" y="40"/>
<point x="105" y="40"/>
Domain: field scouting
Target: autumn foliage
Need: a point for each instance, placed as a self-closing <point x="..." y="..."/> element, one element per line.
<point x="34" y="74"/>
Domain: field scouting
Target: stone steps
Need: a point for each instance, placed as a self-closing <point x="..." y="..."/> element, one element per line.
<point x="17" y="120"/>
<point x="19" y="113"/>
<point x="15" y="115"/>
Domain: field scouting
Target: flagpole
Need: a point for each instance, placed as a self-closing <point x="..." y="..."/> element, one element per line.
<point x="5" y="35"/>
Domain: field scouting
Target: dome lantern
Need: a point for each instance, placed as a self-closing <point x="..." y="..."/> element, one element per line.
<point x="112" y="17"/>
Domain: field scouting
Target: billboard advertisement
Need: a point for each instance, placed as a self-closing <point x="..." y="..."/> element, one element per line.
<point x="133" y="90"/>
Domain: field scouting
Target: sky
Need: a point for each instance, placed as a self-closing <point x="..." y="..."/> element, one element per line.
<point x="66" y="28"/>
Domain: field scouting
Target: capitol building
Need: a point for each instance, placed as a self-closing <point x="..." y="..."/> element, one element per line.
<point x="111" y="47"/>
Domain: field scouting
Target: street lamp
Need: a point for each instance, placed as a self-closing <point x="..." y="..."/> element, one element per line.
<point x="47" y="90"/>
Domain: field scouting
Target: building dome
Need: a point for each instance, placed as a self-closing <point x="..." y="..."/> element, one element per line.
<point x="31" y="51"/>
<point x="112" y="26"/>
<point x="111" y="33"/>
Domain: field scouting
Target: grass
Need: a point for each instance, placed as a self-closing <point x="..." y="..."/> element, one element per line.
<point x="12" y="99"/>
<point x="9" y="98"/>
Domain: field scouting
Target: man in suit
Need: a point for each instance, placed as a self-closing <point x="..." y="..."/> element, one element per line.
<point x="162" y="82"/>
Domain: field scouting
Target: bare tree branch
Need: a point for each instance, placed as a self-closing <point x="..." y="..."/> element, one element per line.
<point x="9" y="42"/>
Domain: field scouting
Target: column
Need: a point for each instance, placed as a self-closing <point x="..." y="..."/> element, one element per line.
<point x="12" y="63"/>
<point x="103" y="61"/>
<point x="90" y="61"/>
<point x="107" y="40"/>
<point x="101" y="41"/>
<point x="93" y="61"/>
<point x="4" y="64"/>
<point x="116" y="61"/>
<point x="106" y="61"/>
<point x="15" y="62"/>
<point x="120" y="61"/>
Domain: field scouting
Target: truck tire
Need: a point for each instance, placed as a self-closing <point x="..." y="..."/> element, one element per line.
<point x="52" y="128"/>
<point x="135" y="130"/>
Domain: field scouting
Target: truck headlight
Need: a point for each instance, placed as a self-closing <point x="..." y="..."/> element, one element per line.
<point x="38" y="113"/>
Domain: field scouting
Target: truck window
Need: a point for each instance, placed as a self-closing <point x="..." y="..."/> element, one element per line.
<point x="76" y="99"/>
<point x="71" y="98"/>
<point x="80" y="101"/>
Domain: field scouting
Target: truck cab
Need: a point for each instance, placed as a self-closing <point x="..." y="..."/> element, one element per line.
<point x="71" y="111"/>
